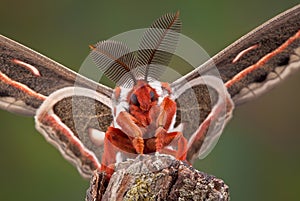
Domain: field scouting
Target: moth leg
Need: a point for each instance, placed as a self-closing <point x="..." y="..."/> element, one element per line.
<point x="163" y="122"/>
<point x="163" y="139"/>
<point x="119" y="140"/>
<point x="126" y="122"/>
<point x="114" y="141"/>
<point x="159" y="142"/>
<point x="168" y="110"/>
<point x="108" y="158"/>
<point x="182" y="148"/>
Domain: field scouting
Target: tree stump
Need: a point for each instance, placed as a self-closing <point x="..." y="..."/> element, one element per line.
<point x="156" y="177"/>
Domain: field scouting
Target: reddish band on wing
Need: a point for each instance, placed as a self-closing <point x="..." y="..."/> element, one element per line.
<point x="59" y="127"/>
<point x="262" y="61"/>
<point x="21" y="87"/>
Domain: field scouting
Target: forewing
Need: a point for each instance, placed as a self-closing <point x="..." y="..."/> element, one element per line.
<point x="203" y="108"/>
<point x="74" y="120"/>
<point x="27" y="78"/>
<point x="259" y="60"/>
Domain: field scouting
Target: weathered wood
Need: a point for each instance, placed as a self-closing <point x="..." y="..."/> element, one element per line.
<point x="156" y="177"/>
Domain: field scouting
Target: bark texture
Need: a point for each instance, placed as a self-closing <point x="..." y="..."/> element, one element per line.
<point x="156" y="177"/>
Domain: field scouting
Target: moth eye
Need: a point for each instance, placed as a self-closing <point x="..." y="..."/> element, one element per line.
<point x="152" y="96"/>
<point x="134" y="100"/>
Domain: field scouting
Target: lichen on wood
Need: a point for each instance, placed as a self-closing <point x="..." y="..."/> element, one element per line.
<point x="156" y="177"/>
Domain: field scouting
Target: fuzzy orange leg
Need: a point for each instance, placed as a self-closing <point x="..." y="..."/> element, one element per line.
<point x="180" y="153"/>
<point x="164" y="119"/>
<point x="126" y="121"/>
<point x="108" y="158"/>
<point x="182" y="148"/>
<point x="168" y="110"/>
<point x="115" y="140"/>
<point x="158" y="143"/>
<point x="119" y="140"/>
<point x="164" y="139"/>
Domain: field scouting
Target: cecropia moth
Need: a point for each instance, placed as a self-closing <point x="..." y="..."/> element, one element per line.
<point x="95" y="126"/>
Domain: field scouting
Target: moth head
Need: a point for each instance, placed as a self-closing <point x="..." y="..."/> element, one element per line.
<point x="143" y="96"/>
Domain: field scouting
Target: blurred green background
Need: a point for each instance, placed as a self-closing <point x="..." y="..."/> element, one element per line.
<point x="258" y="154"/>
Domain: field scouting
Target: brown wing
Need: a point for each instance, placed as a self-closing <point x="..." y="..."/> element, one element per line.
<point x="203" y="108"/>
<point x="27" y="78"/>
<point x="259" y="60"/>
<point x="75" y="121"/>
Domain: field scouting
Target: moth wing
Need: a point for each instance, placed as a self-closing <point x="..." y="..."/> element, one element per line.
<point x="74" y="120"/>
<point x="258" y="61"/>
<point x="27" y="78"/>
<point x="203" y="108"/>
